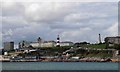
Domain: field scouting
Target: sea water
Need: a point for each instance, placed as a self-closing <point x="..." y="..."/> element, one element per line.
<point x="59" y="66"/>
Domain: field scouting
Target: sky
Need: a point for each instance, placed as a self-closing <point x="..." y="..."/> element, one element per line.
<point x="73" y="21"/>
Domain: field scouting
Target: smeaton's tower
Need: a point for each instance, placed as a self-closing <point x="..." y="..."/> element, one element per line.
<point x="58" y="41"/>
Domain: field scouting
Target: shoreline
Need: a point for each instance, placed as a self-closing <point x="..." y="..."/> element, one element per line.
<point x="114" y="61"/>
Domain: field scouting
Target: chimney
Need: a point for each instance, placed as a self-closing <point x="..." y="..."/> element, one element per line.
<point x="100" y="39"/>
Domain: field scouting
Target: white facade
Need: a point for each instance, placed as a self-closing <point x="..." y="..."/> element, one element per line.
<point x="66" y="43"/>
<point x="35" y="44"/>
<point x="48" y="44"/>
<point x="43" y="44"/>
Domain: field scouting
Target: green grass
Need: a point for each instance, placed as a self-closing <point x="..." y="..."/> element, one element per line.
<point x="100" y="46"/>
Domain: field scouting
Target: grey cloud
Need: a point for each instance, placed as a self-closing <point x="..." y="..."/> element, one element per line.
<point x="12" y="9"/>
<point x="118" y="29"/>
<point x="47" y="12"/>
<point x="13" y="22"/>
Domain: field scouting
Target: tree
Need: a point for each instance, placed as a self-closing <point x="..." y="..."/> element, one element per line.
<point x="77" y="44"/>
<point x="117" y="46"/>
<point x="84" y="43"/>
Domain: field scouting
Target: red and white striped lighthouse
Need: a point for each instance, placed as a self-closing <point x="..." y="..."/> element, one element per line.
<point x="58" y="41"/>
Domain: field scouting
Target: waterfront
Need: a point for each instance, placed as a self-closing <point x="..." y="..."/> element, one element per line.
<point x="59" y="66"/>
<point x="60" y="36"/>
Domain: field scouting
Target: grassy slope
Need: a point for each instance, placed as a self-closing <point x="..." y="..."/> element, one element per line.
<point x="101" y="46"/>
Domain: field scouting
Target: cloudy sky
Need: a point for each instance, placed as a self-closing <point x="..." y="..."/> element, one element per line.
<point x="73" y="21"/>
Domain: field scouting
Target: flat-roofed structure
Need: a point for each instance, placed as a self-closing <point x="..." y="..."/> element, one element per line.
<point x="35" y="44"/>
<point x="66" y="43"/>
<point x="112" y="42"/>
<point x="48" y="44"/>
<point x="43" y="44"/>
<point x="8" y="46"/>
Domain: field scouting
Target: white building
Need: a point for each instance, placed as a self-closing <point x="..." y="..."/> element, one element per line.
<point x="48" y="44"/>
<point x="43" y="44"/>
<point x="66" y="43"/>
<point x="40" y="43"/>
<point x="35" y="44"/>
